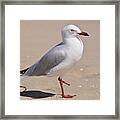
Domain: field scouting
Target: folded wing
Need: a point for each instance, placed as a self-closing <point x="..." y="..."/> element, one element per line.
<point x="51" y="59"/>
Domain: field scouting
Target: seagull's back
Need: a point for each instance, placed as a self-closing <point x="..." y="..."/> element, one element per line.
<point x="51" y="59"/>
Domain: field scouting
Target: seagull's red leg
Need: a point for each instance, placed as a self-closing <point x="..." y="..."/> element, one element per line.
<point x="62" y="89"/>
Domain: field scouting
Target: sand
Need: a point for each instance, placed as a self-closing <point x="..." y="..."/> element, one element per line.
<point x="37" y="37"/>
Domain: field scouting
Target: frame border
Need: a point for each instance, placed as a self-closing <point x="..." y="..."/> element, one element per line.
<point x="2" y="61"/>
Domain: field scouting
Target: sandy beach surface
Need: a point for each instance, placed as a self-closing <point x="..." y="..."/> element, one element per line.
<point x="37" y="37"/>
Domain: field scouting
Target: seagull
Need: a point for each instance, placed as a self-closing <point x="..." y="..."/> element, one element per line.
<point x="59" y="59"/>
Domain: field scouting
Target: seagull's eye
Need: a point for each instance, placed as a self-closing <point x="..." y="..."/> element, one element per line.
<point x="72" y="30"/>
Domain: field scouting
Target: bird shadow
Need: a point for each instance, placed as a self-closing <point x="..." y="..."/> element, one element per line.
<point x="36" y="94"/>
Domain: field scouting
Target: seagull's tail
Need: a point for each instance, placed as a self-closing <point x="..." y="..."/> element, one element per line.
<point x="22" y="76"/>
<point x="23" y="71"/>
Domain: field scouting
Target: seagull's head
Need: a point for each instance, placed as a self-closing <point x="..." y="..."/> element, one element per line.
<point x="73" y="31"/>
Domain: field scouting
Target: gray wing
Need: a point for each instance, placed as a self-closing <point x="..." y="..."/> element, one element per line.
<point x="51" y="59"/>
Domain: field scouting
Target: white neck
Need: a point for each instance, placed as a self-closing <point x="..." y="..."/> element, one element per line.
<point x="75" y="46"/>
<point x="66" y="34"/>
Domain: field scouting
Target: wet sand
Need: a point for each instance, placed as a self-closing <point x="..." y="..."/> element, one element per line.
<point x="37" y="37"/>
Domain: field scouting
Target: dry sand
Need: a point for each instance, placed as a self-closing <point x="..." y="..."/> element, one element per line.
<point x="36" y="37"/>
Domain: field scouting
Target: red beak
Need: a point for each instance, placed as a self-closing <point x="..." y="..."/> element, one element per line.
<point x="84" y="34"/>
